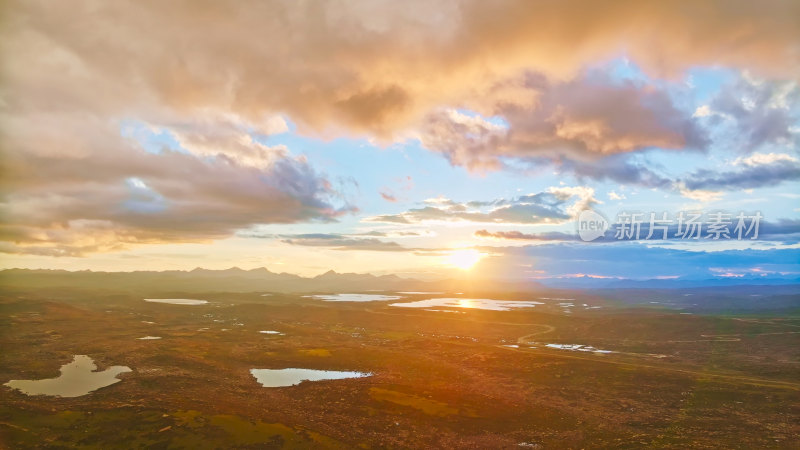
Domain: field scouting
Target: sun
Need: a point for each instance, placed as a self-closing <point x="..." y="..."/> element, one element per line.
<point x="464" y="259"/>
<point x="465" y="303"/>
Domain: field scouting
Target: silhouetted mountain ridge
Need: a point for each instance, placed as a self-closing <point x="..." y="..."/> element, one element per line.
<point x="262" y="279"/>
<point x="233" y="279"/>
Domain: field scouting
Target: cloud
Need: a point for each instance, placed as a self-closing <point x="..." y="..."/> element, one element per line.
<point x="210" y="80"/>
<point x="366" y="241"/>
<point x="368" y="66"/>
<point x="76" y="187"/>
<point x="621" y="168"/>
<point x="342" y="242"/>
<point x="758" y="170"/>
<point x="584" y="118"/>
<point x="388" y="197"/>
<point x="397" y="233"/>
<point x="400" y="184"/>
<point x="556" y="205"/>
<point x="760" y="159"/>
<point x="756" y="113"/>
<point x="700" y="195"/>
<point x="612" y="195"/>
<point x="520" y="236"/>
<point x="228" y="136"/>
<point x="785" y="231"/>
<point x="584" y="197"/>
<point x="702" y="111"/>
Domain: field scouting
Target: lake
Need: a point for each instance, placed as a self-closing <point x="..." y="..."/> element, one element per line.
<point x="177" y="301"/>
<point x="292" y="377"/>
<point x="470" y="303"/>
<point x="577" y="348"/>
<point x="77" y="378"/>
<point x="354" y="297"/>
<point x="420" y="293"/>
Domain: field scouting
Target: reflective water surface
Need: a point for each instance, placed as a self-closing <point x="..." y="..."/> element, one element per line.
<point x="77" y="378"/>
<point x="177" y="301"/>
<point x="470" y="303"/>
<point x="291" y="377"/>
<point x="354" y="297"/>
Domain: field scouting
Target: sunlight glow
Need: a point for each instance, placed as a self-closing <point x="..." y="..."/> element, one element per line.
<point x="464" y="259"/>
<point x="465" y="303"/>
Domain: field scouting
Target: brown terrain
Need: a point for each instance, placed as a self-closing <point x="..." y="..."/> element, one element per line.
<point x="476" y="379"/>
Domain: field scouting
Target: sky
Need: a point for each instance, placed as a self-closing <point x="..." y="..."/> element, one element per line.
<point x="425" y="139"/>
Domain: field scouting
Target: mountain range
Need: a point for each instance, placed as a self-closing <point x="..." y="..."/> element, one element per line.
<point x="262" y="279"/>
